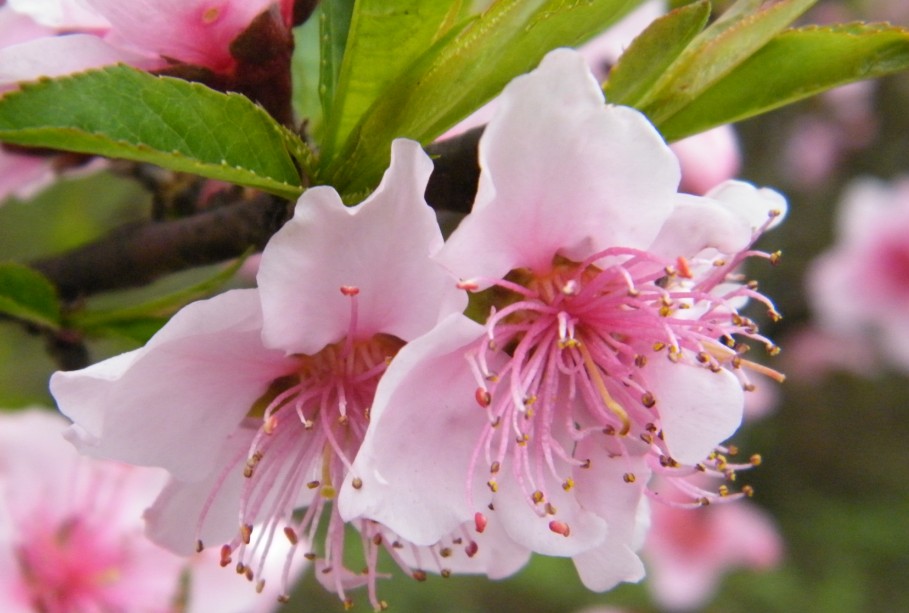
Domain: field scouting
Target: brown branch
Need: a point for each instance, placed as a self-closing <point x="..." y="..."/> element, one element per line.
<point x="135" y="255"/>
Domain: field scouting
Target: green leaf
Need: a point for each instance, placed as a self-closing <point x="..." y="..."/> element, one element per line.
<point x="794" y="65"/>
<point x="27" y="295"/>
<point x="139" y="322"/>
<point x="743" y="29"/>
<point x="385" y="37"/>
<point x="462" y="72"/>
<point x="334" y="24"/>
<point x="305" y="70"/>
<point x="651" y="53"/>
<point x="126" y="113"/>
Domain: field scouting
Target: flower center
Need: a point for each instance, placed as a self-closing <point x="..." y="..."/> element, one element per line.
<point x="309" y="431"/>
<point x="564" y="355"/>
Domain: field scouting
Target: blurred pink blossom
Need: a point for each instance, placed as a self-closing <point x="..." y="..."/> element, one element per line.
<point x="71" y="535"/>
<point x="607" y="293"/>
<point x="688" y="552"/>
<point x="859" y="289"/>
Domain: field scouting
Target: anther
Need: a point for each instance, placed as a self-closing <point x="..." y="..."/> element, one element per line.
<point x="568" y="484"/>
<point x="629" y="478"/>
<point x="537" y="497"/>
<point x="648" y="400"/>
<point x="445" y="573"/>
<point x="291" y="535"/>
<point x="479" y="521"/>
<point x="313" y="485"/>
<point x="199" y="546"/>
<point x="246" y="533"/>
<point x="284" y="598"/>
<point x="471" y="549"/>
<point x="494" y="467"/>
<point x="683" y="267"/>
<point x="775" y="257"/>
<point x="350" y="290"/>
<point x="723" y="491"/>
<point x="419" y="575"/>
<point x="640" y="361"/>
<point x="357" y="483"/>
<point x="483" y="397"/>
<point x="493" y="486"/>
<point x="271" y="424"/>
<point x="748" y="490"/>
<point x="445" y="552"/>
<point x="559" y="527"/>
<point x="756" y="459"/>
<point x="260" y="585"/>
<point x="225" y="555"/>
<point x="468" y="284"/>
<point x="550" y="509"/>
<point x="571" y="288"/>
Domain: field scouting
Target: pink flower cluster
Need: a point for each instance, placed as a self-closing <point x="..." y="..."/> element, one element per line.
<point x="460" y="404"/>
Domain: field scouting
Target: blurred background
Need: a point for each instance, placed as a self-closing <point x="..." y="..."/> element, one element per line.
<point x="834" y="481"/>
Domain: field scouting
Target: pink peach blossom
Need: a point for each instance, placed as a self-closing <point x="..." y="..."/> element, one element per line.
<point x="608" y="348"/>
<point x="260" y="398"/>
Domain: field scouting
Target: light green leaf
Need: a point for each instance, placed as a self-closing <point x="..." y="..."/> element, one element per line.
<point x="743" y="29"/>
<point x="649" y="55"/>
<point x="126" y="113"/>
<point x="27" y="295"/>
<point x="385" y="37"/>
<point x="139" y="322"/>
<point x="794" y="65"/>
<point x="334" y="24"/>
<point x="460" y="74"/>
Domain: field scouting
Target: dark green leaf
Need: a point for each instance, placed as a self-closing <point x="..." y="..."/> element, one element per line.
<point x="27" y="295"/>
<point x="126" y="113"/>
<point x="796" y="64"/>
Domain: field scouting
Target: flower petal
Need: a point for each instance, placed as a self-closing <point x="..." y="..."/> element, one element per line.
<point x="698" y="408"/>
<point x="606" y="489"/>
<point x="193" y="31"/>
<point x="562" y="173"/>
<point x="751" y="203"/>
<point x="381" y="246"/>
<point x="173" y="402"/>
<point x="60" y="55"/>
<point x="697" y="223"/>
<point x="173" y="520"/>
<point x="414" y="461"/>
